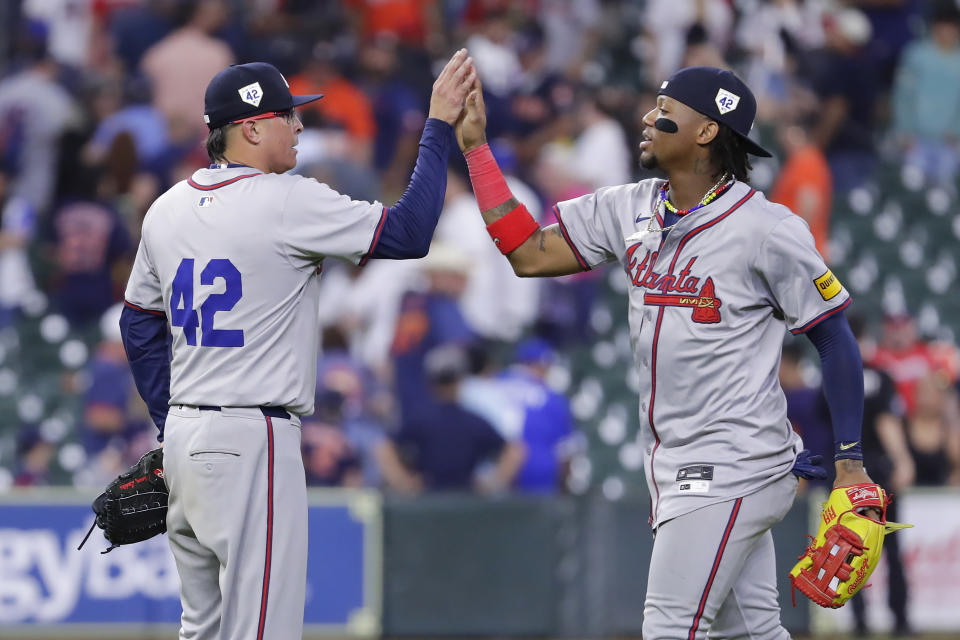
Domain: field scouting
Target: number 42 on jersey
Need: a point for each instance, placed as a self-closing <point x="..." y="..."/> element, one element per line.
<point x="182" y="313"/>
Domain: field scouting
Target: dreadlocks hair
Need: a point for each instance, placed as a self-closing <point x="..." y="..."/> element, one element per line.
<point x="217" y="143"/>
<point x="729" y="154"/>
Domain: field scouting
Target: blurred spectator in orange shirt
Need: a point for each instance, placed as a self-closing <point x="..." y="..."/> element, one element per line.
<point x="804" y="185"/>
<point x="344" y="104"/>
<point x="412" y="21"/>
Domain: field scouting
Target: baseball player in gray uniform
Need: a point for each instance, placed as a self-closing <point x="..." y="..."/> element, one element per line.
<point x="227" y="271"/>
<point x="717" y="274"/>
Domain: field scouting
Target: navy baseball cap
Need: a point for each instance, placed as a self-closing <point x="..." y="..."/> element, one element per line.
<point x="245" y="90"/>
<point x="719" y="95"/>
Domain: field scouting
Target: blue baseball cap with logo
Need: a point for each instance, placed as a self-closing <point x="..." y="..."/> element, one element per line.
<point x="246" y="90"/>
<point x="719" y="95"/>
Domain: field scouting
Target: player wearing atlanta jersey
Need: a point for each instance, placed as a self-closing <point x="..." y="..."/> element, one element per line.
<point x="228" y="271"/>
<point x="717" y="276"/>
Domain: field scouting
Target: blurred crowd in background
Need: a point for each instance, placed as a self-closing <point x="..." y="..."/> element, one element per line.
<point x="449" y="373"/>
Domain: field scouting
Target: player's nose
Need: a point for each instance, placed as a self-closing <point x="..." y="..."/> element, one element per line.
<point x="648" y="117"/>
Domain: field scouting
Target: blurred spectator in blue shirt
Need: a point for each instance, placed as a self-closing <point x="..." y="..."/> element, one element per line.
<point x="442" y="449"/>
<point x="108" y="419"/>
<point x="926" y="98"/>
<point x="329" y="460"/>
<point x="364" y="404"/>
<point x="398" y="109"/>
<point x="548" y="429"/>
<point x="429" y="319"/>
<point x="127" y="109"/>
<point x="92" y="251"/>
<point x="806" y="407"/>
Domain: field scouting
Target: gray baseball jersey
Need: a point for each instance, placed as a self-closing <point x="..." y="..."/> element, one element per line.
<point x="233" y="257"/>
<point x="709" y="304"/>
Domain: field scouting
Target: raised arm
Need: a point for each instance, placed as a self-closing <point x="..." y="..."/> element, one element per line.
<point x="408" y="225"/>
<point x="531" y="250"/>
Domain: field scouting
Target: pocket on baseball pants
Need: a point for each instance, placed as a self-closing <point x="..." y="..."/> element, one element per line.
<point x="214" y="454"/>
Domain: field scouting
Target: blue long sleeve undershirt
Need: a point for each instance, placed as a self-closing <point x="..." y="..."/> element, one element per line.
<point x="146" y="340"/>
<point x="409" y="224"/>
<point x="842" y="382"/>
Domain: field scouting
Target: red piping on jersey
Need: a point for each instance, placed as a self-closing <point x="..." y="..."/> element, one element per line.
<point x="659" y="219"/>
<point x="653" y="395"/>
<point x="566" y="236"/>
<point x="150" y="311"/>
<point x="713" y="572"/>
<point x="269" y="551"/>
<point x="656" y="337"/>
<point x="820" y="318"/>
<point x="376" y="237"/>
<point x="217" y="185"/>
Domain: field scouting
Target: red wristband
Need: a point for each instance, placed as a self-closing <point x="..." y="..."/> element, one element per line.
<point x="489" y="186"/>
<point x="513" y="229"/>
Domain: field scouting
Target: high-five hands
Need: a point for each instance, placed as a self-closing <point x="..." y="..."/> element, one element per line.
<point x="471" y="128"/>
<point x="451" y="87"/>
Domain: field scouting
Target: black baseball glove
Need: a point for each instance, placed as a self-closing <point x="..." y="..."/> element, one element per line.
<point x="134" y="506"/>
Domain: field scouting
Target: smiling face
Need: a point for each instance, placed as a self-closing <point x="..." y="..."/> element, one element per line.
<point x="670" y="150"/>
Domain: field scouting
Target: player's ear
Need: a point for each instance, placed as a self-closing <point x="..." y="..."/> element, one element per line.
<point x="251" y="131"/>
<point x="707" y="132"/>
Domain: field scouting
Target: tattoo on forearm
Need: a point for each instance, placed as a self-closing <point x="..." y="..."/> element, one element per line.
<point x="554" y="230"/>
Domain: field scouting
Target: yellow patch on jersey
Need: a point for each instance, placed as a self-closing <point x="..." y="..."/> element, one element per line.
<point x="828" y="285"/>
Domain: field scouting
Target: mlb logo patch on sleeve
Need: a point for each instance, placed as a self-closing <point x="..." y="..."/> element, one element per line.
<point x="828" y="285"/>
<point x="206" y="201"/>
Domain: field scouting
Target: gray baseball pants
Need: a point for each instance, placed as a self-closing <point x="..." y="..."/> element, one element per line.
<point x="237" y="522"/>
<point x="713" y="571"/>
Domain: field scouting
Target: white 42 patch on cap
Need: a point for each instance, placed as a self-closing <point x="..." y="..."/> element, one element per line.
<point x="251" y="94"/>
<point x="726" y="101"/>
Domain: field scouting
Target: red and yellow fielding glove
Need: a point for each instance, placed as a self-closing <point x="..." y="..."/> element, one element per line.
<point x="847" y="548"/>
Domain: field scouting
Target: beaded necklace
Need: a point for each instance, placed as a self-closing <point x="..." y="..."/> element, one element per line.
<point x="711" y="195"/>
<point x="715" y="192"/>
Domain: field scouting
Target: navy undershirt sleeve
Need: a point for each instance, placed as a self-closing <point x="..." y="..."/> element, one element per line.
<point x="409" y="224"/>
<point x="842" y="382"/>
<point x="146" y="341"/>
